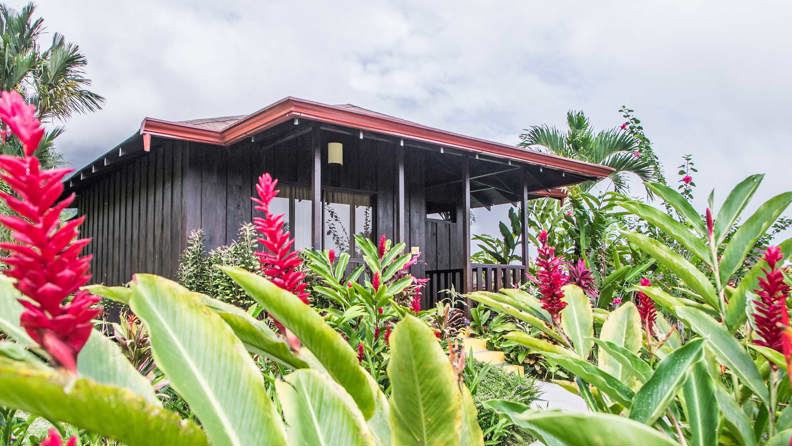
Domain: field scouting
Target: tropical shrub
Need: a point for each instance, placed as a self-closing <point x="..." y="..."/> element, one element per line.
<point x="706" y="362"/>
<point x="500" y="250"/>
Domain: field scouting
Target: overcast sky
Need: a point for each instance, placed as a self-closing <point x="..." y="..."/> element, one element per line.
<point x="709" y="78"/>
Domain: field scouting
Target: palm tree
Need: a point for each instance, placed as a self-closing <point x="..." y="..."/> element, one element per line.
<point x="617" y="148"/>
<point x="52" y="78"/>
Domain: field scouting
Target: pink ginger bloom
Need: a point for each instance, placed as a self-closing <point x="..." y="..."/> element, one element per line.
<point x="278" y="261"/>
<point x="375" y="281"/>
<point x="710" y="223"/>
<point x="360" y="351"/>
<point x="550" y="277"/>
<point x="687" y="179"/>
<point x="771" y="314"/>
<point x="331" y="255"/>
<point x="45" y="258"/>
<point x="382" y="246"/>
<point x="646" y="307"/>
<point x="54" y="439"/>
<point x="580" y="275"/>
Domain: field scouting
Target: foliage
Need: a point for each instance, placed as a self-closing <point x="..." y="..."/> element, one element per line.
<point x="487" y="382"/>
<point x="686" y="381"/>
<point x="500" y="251"/>
<point x="197" y="269"/>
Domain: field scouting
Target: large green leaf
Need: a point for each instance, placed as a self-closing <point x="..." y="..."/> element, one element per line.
<point x="665" y="256"/>
<point x="735" y="309"/>
<point x="572" y="429"/>
<point x="577" y="320"/>
<point x="526" y="302"/>
<point x="326" y="344"/>
<point x="743" y="241"/>
<point x="734" y="417"/>
<point x="486" y="299"/>
<point x="630" y="363"/>
<point x="110" y="411"/>
<point x="536" y="345"/>
<point x="100" y="359"/>
<point x="783" y="438"/>
<point x="471" y="433"/>
<point x="379" y="423"/>
<point x="680" y="203"/>
<point x="702" y="407"/>
<point x="206" y="364"/>
<point x="679" y="232"/>
<point x="425" y="402"/>
<point x="319" y="412"/>
<point x="726" y="348"/>
<point x="607" y="384"/>
<point x="657" y="393"/>
<point x="623" y="329"/>
<point x="734" y="204"/>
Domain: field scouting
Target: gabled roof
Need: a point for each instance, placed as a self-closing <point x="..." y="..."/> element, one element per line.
<point x="229" y="130"/>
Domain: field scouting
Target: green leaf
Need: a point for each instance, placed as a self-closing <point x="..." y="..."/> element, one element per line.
<point x="734" y="204"/>
<point x="590" y="429"/>
<point x="735" y="418"/>
<point x="577" y="319"/>
<point x="690" y="275"/>
<point x="326" y="344"/>
<point x="771" y="355"/>
<point x="726" y="349"/>
<point x="379" y="423"/>
<point x="530" y="319"/>
<point x="784" y="418"/>
<point x="606" y="383"/>
<point x="623" y="329"/>
<point x="660" y="297"/>
<point x="536" y="345"/>
<point x="110" y="411"/>
<point x="681" y="204"/>
<point x="206" y="364"/>
<point x="702" y="407"/>
<point x="425" y="401"/>
<point x="735" y="308"/>
<point x="630" y="363"/>
<point x="318" y="412"/>
<point x="120" y="294"/>
<point x="102" y="361"/>
<point x="523" y="301"/>
<point x="671" y="227"/>
<point x="783" y="438"/>
<point x="657" y="393"/>
<point x="471" y="431"/>
<point x="743" y="241"/>
<point x="10" y="311"/>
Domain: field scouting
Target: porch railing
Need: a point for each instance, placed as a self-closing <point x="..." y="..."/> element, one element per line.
<point x="485" y="278"/>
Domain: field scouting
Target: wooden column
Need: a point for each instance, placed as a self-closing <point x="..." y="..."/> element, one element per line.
<point x="401" y="202"/>
<point x="316" y="188"/>
<point x="467" y="275"/>
<point x="524" y="231"/>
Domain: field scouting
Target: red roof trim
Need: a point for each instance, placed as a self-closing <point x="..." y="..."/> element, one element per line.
<point x="290" y="108"/>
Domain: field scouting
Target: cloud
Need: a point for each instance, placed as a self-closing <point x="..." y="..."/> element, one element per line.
<point x="711" y="79"/>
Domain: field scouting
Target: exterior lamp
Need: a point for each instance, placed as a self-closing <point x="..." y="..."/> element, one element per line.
<point x="335" y="153"/>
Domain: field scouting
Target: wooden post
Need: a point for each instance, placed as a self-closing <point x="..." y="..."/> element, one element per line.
<point x="316" y="188"/>
<point x="524" y="231"/>
<point x="401" y="206"/>
<point x="466" y="273"/>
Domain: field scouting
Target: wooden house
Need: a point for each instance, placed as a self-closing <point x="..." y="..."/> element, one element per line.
<point x="343" y="170"/>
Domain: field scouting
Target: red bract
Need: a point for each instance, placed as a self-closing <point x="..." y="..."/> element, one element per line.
<point x="710" y="223"/>
<point x="360" y="351"/>
<point x="550" y="277"/>
<point x="387" y="335"/>
<point x="54" y="439"/>
<point x="382" y="246"/>
<point x="581" y="276"/>
<point x="771" y="315"/>
<point x="331" y="255"/>
<point x="646" y="308"/>
<point x="375" y="281"/>
<point x="418" y="286"/>
<point x="278" y="261"/>
<point x="45" y="260"/>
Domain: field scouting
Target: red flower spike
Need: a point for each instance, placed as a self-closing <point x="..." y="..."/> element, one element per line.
<point x="278" y="262"/>
<point x="687" y="179"/>
<point x="550" y="277"/>
<point x="771" y="314"/>
<point x="54" y="439"/>
<point x="360" y="352"/>
<point x="375" y="281"/>
<point x="710" y="223"/>
<point x="331" y="255"/>
<point x="646" y="308"/>
<point x="382" y="246"/>
<point x="581" y="276"/>
<point x="379" y="310"/>
<point x="387" y="335"/>
<point x="45" y="260"/>
<point x="376" y="332"/>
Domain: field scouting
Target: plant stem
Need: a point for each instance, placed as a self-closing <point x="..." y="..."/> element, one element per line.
<point x="678" y="428"/>
<point x="771" y="409"/>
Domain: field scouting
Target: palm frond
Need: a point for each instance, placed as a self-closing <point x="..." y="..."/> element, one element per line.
<point x="546" y="136"/>
<point x="608" y="142"/>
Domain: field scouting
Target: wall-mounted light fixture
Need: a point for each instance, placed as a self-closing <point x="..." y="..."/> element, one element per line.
<point x="335" y="153"/>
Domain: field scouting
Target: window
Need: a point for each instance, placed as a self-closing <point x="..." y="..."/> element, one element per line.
<point x="346" y="214"/>
<point x="441" y="211"/>
<point x="295" y="205"/>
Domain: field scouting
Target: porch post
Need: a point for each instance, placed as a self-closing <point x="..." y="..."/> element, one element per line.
<point x="401" y="206"/>
<point x="466" y="272"/>
<point x="316" y="188"/>
<point x="524" y="232"/>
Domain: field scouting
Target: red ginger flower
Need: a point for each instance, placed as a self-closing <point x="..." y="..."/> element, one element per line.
<point x="550" y="277"/>
<point x="54" y="439"/>
<point x="771" y="314"/>
<point x="375" y="281"/>
<point x="646" y="308"/>
<point x="581" y="276"/>
<point x="382" y="246"/>
<point x="360" y="351"/>
<point x="45" y="260"/>
<point x="278" y="261"/>
<point x="331" y="255"/>
<point x="710" y="223"/>
<point x="687" y="179"/>
<point x="387" y="335"/>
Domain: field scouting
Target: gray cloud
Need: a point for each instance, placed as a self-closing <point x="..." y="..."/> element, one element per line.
<point x="708" y="78"/>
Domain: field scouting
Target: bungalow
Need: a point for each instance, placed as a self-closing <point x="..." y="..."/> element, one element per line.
<point x="343" y="170"/>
